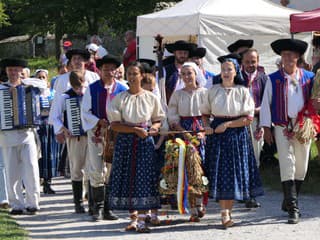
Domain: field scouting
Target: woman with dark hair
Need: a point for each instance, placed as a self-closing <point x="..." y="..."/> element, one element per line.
<point x="230" y="163"/>
<point x="50" y="148"/>
<point x="136" y="115"/>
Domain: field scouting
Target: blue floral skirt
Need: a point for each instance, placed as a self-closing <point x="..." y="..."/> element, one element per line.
<point x="50" y="151"/>
<point x="134" y="175"/>
<point x="231" y="165"/>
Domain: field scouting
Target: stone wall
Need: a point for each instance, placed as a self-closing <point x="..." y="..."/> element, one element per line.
<point x="27" y="47"/>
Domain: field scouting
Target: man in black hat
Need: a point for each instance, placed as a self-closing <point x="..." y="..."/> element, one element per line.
<point x="255" y="79"/>
<point x="20" y="152"/>
<point x="197" y="56"/>
<point x="286" y="94"/>
<point x="181" y="50"/>
<point x="94" y="117"/>
<point x="240" y="45"/>
<point x="78" y="59"/>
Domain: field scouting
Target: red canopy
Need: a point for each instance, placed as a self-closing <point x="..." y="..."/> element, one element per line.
<point x="305" y="22"/>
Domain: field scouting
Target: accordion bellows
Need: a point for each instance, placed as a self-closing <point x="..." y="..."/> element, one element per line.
<point x="19" y="107"/>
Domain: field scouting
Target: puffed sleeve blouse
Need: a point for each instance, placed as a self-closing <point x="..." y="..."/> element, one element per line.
<point x="185" y="104"/>
<point x="138" y="108"/>
<point x="228" y="102"/>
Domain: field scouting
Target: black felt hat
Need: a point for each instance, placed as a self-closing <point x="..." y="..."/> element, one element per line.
<point x="148" y="64"/>
<point x="240" y="43"/>
<point x="108" y="59"/>
<point x="235" y="56"/>
<point x="82" y="52"/>
<point x="13" y="62"/>
<point x="180" y="45"/>
<point x="199" y="52"/>
<point x="288" y="44"/>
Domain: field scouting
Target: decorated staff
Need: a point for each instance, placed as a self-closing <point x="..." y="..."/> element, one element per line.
<point x="181" y="50"/>
<point x="286" y="94"/>
<point x="94" y="117"/>
<point x="184" y="114"/>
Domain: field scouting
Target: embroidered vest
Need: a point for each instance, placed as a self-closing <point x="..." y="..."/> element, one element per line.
<point x="257" y="85"/>
<point x="99" y="97"/>
<point x="279" y="101"/>
<point x="172" y="76"/>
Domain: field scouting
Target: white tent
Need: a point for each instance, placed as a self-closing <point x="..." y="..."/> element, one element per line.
<point x="216" y="24"/>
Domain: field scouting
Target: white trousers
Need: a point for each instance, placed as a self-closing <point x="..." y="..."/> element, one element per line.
<point x="3" y="182"/>
<point x="99" y="171"/>
<point x="21" y="163"/>
<point x="257" y="144"/>
<point x="293" y="156"/>
<point x="77" y="154"/>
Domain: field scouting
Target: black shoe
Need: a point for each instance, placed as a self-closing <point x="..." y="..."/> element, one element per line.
<point x="48" y="190"/>
<point x="97" y="215"/>
<point x="78" y="208"/>
<point x="47" y="187"/>
<point x="252" y="203"/>
<point x="16" y="212"/>
<point x="293" y="217"/>
<point x="32" y="211"/>
<point x="109" y="215"/>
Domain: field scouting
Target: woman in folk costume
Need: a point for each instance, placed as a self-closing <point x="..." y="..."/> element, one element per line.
<point x="133" y="179"/>
<point x="230" y="163"/>
<point x="286" y="94"/>
<point x="50" y="148"/>
<point x="184" y="114"/>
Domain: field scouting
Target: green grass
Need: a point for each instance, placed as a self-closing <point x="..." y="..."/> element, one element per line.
<point x="9" y="229"/>
<point x="271" y="175"/>
<point x="43" y="63"/>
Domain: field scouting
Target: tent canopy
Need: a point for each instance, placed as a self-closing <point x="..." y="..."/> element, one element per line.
<point x="192" y="17"/>
<point x="217" y="23"/>
<point x="305" y="22"/>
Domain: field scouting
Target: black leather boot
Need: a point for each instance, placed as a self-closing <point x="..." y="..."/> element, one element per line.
<point x="298" y="187"/>
<point x="90" y="200"/>
<point x="283" y="204"/>
<point x="77" y="196"/>
<point x="98" y="199"/>
<point x="290" y="193"/>
<point x="108" y="214"/>
<point x="252" y="203"/>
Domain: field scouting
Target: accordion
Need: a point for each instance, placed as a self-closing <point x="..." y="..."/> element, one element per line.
<point x="73" y="121"/>
<point x="19" y="107"/>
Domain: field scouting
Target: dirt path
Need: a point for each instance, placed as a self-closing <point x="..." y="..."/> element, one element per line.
<point x="56" y="220"/>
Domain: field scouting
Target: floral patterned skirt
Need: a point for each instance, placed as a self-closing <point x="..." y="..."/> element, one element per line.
<point x="134" y="177"/>
<point x="50" y="151"/>
<point x="231" y="165"/>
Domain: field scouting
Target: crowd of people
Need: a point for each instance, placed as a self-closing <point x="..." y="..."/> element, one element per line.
<point x="144" y="135"/>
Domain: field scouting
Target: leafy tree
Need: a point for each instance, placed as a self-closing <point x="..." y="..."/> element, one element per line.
<point x="3" y="17"/>
<point x="80" y="17"/>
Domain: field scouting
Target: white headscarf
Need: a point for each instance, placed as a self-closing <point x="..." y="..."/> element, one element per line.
<point x="200" y="79"/>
